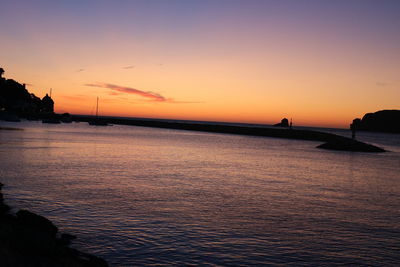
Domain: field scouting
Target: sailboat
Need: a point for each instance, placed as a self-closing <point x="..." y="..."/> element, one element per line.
<point x="97" y="121"/>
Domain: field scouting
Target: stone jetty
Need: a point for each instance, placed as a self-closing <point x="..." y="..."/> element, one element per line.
<point x="330" y="141"/>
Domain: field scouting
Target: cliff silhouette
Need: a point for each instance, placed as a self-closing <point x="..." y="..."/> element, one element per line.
<point x="380" y="121"/>
<point x="17" y="102"/>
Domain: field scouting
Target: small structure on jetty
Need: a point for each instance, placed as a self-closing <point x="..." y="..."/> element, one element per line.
<point x="284" y="123"/>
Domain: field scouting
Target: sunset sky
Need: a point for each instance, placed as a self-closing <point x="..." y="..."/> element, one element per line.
<point x="321" y="62"/>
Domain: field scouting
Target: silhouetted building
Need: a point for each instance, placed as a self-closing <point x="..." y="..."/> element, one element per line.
<point x="284" y="123"/>
<point x="47" y="104"/>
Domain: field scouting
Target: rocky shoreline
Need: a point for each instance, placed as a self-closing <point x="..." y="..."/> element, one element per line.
<point x="28" y="239"/>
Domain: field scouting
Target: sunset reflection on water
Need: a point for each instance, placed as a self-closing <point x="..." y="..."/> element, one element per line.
<point x="143" y="196"/>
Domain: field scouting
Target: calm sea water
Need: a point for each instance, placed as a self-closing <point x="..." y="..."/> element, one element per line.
<point x="146" y="196"/>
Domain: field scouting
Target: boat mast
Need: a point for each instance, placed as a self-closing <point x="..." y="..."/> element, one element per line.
<point x="97" y="108"/>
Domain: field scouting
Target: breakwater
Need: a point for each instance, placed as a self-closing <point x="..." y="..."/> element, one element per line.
<point x="330" y="141"/>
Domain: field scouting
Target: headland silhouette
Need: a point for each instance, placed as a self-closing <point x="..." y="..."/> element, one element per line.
<point x="379" y="121"/>
<point x="17" y="102"/>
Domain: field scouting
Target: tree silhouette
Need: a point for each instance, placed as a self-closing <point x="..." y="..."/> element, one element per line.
<point x="1" y="72"/>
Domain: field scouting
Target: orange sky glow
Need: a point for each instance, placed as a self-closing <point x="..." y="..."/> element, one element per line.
<point x="239" y="61"/>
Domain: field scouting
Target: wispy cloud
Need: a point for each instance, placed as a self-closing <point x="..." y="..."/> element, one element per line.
<point x="80" y="70"/>
<point x="114" y="93"/>
<point x="382" y="84"/>
<point x="184" y="102"/>
<point x="75" y="97"/>
<point x="129" y="67"/>
<point x="147" y="94"/>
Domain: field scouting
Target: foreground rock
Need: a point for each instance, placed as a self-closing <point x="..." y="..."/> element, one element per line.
<point x="28" y="239"/>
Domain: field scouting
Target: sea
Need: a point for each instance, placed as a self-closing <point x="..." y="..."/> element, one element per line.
<point x="139" y="196"/>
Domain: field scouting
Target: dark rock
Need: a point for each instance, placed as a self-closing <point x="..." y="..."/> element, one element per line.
<point x="34" y="234"/>
<point x="68" y="236"/>
<point x="66" y="239"/>
<point x="350" y="145"/>
<point x="4" y="208"/>
<point x="42" y="224"/>
<point x="91" y="260"/>
<point x="28" y="239"/>
<point x="380" y="121"/>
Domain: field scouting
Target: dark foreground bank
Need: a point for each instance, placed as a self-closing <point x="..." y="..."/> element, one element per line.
<point x="331" y="141"/>
<point x="28" y="239"/>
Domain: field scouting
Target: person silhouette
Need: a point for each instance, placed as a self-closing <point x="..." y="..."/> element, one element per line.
<point x="355" y="126"/>
<point x="353" y="131"/>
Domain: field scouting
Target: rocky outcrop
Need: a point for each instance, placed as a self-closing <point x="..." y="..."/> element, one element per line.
<point x="380" y="121"/>
<point x="350" y="145"/>
<point x="28" y="239"/>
